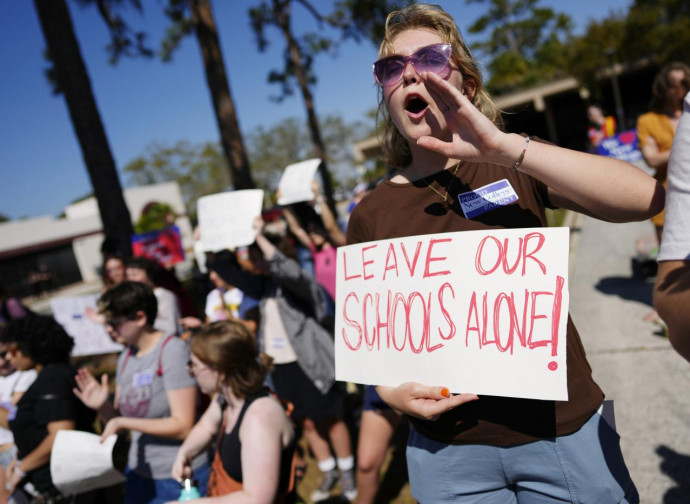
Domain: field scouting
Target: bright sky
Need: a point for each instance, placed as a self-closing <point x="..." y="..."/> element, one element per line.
<point x="145" y="101"/>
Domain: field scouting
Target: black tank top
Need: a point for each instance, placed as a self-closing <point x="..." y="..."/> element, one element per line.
<point x="231" y="447"/>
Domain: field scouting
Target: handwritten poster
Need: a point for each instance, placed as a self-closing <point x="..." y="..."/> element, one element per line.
<point x="295" y="183"/>
<point x="225" y="219"/>
<point x="90" y="338"/>
<point x="475" y="311"/>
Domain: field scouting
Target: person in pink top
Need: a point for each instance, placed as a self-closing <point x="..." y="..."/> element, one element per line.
<point x="322" y="237"/>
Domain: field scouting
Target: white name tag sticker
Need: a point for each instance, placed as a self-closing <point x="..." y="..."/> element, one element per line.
<point x="484" y="199"/>
<point x="279" y="343"/>
<point x="142" y="379"/>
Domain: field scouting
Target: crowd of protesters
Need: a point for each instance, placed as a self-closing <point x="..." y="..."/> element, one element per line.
<point x="221" y="397"/>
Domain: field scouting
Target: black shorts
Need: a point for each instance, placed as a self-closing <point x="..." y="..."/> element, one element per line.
<point x="291" y="384"/>
<point x="372" y="400"/>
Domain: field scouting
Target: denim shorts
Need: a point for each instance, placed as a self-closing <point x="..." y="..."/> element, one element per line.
<point x="7" y="456"/>
<point x="583" y="467"/>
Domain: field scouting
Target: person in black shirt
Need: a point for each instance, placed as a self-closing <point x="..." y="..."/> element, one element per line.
<point x="49" y="405"/>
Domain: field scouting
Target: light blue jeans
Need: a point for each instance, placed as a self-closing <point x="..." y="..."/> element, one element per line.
<point x="584" y="467"/>
<point x="7" y="457"/>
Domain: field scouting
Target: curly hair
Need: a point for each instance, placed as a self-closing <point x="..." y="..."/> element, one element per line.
<point x="433" y="18"/>
<point x="39" y="337"/>
<point x="229" y="348"/>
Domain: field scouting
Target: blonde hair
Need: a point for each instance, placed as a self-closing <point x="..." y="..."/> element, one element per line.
<point x="434" y="18"/>
<point x="229" y="348"/>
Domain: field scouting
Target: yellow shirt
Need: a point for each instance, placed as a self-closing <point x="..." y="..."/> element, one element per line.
<point x="658" y="127"/>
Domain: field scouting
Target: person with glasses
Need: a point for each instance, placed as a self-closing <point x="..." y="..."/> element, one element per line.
<point x="254" y="437"/>
<point x="293" y="316"/>
<point x="656" y="128"/>
<point x="13" y="384"/>
<point x="443" y="135"/>
<point x="155" y="397"/>
<point x="38" y="343"/>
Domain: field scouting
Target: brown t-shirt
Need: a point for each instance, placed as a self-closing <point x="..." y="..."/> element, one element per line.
<point x="396" y="210"/>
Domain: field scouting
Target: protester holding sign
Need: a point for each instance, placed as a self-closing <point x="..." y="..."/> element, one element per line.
<point x="459" y="172"/>
<point x="321" y="235"/>
<point x="155" y="398"/>
<point x="292" y="308"/>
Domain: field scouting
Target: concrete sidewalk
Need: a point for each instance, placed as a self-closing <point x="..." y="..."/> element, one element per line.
<point x="632" y="362"/>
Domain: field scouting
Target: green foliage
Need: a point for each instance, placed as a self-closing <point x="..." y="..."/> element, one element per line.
<point x="198" y="169"/>
<point x="355" y="19"/>
<point x="272" y="149"/>
<point x="658" y="29"/>
<point x="181" y="25"/>
<point x="525" y="44"/>
<point x="124" y="41"/>
<point x="4" y="218"/>
<point x="597" y="49"/>
<point x="201" y="169"/>
<point x="155" y="216"/>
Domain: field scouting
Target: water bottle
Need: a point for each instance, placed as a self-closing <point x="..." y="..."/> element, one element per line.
<point x="189" y="490"/>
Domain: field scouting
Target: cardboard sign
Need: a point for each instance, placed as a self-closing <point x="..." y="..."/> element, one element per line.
<point x="90" y="338"/>
<point x="295" y="184"/>
<point x="622" y="146"/>
<point x="475" y="311"/>
<point x="163" y="246"/>
<point x="226" y="219"/>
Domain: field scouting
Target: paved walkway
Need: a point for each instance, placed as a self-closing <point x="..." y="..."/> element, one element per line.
<point x="648" y="381"/>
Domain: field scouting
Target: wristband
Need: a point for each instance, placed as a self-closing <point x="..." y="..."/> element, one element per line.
<point x="521" y="156"/>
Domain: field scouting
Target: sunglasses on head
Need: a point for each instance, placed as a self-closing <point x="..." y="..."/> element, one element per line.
<point x="432" y="58"/>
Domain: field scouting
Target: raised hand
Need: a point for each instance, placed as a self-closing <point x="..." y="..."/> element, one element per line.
<point x="474" y="136"/>
<point x="89" y="391"/>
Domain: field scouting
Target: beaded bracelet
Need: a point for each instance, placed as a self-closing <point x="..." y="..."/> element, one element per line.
<point x="521" y="156"/>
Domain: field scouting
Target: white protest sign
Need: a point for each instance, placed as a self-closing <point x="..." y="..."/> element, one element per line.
<point x="295" y="184"/>
<point x="474" y="311"/>
<point x="79" y="462"/>
<point x="90" y="338"/>
<point x="225" y="219"/>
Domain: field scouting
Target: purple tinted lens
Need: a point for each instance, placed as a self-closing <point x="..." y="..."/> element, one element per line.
<point x="433" y="58"/>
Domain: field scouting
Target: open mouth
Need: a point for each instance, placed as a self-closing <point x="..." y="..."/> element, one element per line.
<point x="415" y="104"/>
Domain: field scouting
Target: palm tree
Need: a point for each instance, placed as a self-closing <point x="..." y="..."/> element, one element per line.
<point x="73" y="81"/>
<point x="197" y="15"/>
<point x="353" y="18"/>
<point x="223" y="104"/>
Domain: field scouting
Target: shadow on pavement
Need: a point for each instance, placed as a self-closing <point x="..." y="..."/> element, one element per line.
<point x="630" y="288"/>
<point x="677" y="467"/>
